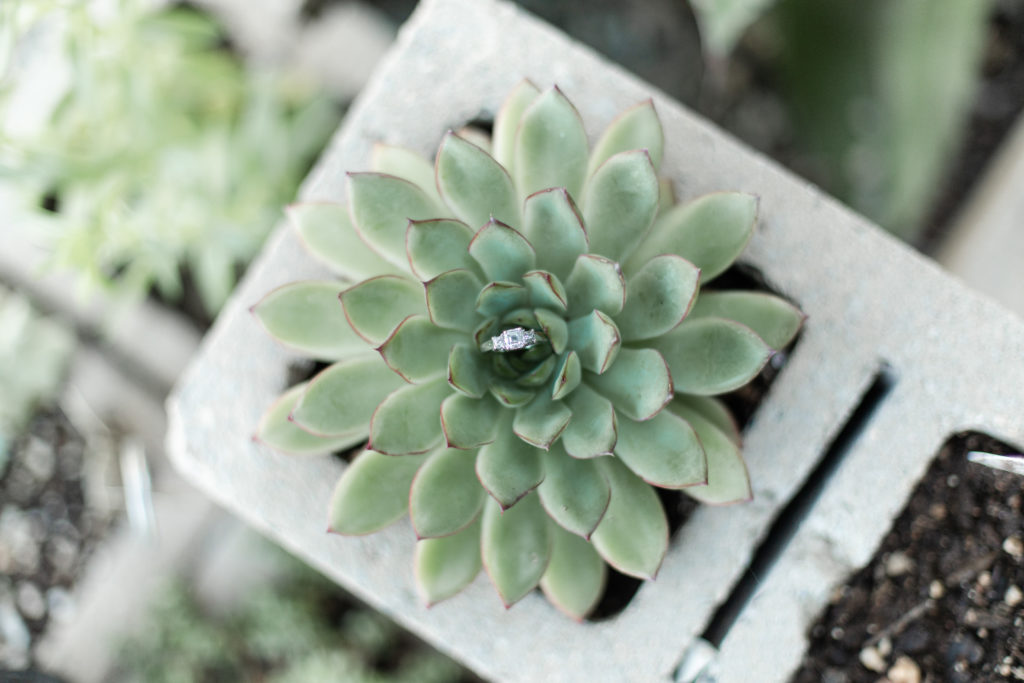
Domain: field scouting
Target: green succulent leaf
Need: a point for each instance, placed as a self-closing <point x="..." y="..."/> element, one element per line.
<point x="444" y="566"/>
<point x="774" y="319"/>
<point x="715" y="412"/>
<point x="282" y="434"/>
<point x="541" y="421"/>
<point x="554" y="328"/>
<point x="540" y="374"/>
<point x="509" y="468"/>
<point x="477" y="136"/>
<point x="373" y="493"/>
<point x="554" y="227"/>
<point x="437" y="246"/>
<point x="595" y="283"/>
<point x="638" y="383"/>
<point x="375" y="307"/>
<point x="568" y="376"/>
<point x="521" y="317"/>
<point x="620" y="203"/>
<point x="575" y="493"/>
<point x="592" y="431"/>
<point x="666" y="195"/>
<point x="498" y="297"/>
<point x="596" y="339"/>
<point x="511" y="394"/>
<point x="382" y="206"/>
<point x="709" y="356"/>
<point x="576" y="575"/>
<point x="502" y="252"/>
<point x="409" y="419"/>
<point x="445" y="496"/>
<point x="506" y="123"/>
<point x="636" y="128"/>
<point x="418" y="349"/>
<point x="451" y="300"/>
<point x="340" y="399"/>
<point x="467" y="371"/>
<point x="326" y="230"/>
<point x="469" y="422"/>
<point x="402" y="162"/>
<point x="307" y="317"/>
<point x="710" y="232"/>
<point x="728" y="479"/>
<point x="633" y="534"/>
<point x="475" y="186"/>
<point x="516" y="547"/>
<point x="551" y="146"/>
<point x="663" y="451"/>
<point x="546" y="290"/>
<point x="658" y="297"/>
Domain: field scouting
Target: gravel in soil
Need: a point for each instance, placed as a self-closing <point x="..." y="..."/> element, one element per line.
<point x="47" y="532"/>
<point x="943" y="598"/>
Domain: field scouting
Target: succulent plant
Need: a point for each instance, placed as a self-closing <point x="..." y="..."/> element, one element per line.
<point x="527" y="349"/>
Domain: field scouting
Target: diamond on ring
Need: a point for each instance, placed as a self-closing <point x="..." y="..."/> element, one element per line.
<point x="513" y="339"/>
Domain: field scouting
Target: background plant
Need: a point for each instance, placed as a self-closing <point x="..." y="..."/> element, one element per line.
<point x="879" y="91"/>
<point x="163" y="153"/>
<point x="301" y="628"/>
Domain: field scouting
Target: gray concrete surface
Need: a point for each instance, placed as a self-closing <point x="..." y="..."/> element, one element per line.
<point x="870" y="300"/>
<point x="986" y="244"/>
<point x="339" y="48"/>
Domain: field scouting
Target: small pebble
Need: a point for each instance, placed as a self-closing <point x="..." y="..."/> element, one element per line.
<point x="1014" y="546"/>
<point x="872" y="659"/>
<point x="905" y="670"/>
<point x="1003" y="669"/>
<point x="31" y="602"/>
<point x="984" y="579"/>
<point x="884" y="647"/>
<point x="898" y="564"/>
<point x="936" y="590"/>
<point x="15" y="639"/>
<point x="39" y="459"/>
<point x="952" y="481"/>
<point x="1013" y="596"/>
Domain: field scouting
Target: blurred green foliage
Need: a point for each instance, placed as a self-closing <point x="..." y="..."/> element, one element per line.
<point x="301" y="629"/>
<point x="34" y="352"/>
<point x="163" y="153"/>
<point x="878" y="90"/>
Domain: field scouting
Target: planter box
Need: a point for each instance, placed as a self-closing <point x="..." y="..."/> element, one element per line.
<point x="874" y="307"/>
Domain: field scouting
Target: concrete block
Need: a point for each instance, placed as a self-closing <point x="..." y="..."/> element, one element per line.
<point x="986" y="243"/>
<point x="871" y="302"/>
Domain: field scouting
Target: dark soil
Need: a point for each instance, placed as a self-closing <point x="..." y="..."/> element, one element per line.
<point x="47" y="529"/>
<point x="944" y="589"/>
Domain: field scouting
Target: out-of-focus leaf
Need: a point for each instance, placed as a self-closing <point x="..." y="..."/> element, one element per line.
<point x="879" y="92"/>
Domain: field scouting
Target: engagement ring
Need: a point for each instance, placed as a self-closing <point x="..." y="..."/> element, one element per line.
<point x="514" y="339"/>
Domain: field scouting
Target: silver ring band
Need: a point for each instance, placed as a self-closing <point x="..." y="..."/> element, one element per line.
<point x="513" y="339"/>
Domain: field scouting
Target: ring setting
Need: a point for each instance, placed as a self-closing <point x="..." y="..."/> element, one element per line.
<point x="513" y="339"/>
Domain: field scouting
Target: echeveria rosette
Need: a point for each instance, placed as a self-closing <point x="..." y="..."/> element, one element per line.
<point x="537" y="465"/>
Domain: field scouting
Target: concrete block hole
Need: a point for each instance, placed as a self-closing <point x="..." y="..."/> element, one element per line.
<point x="943" y="593"/>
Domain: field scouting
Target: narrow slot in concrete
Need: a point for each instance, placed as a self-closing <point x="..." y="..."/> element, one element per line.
<point x="790" y="517"/>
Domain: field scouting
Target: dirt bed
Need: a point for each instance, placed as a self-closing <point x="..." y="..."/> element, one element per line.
<point x="943" y="598"/>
